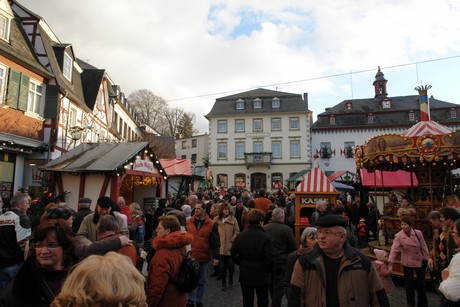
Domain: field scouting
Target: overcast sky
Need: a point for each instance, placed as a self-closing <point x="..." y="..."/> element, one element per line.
<point x="192" y="52"/>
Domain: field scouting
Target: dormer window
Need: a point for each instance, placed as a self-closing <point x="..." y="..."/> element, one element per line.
<point x="240" y="104"/>
<point x="4" y="27"/>
<point x="370" y="118"/>
<point x="276" y="103"/>
<point x="348" y="105"/>
<point x="257" y="103"/>
<point x="453" y="113"/>
<point x="411" y="116"/>
<point x="67" y="67"/>
<point x="332" y="120"/>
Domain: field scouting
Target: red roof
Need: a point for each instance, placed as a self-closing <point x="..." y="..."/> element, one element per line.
<point x="315" y="181"/>
<point x="398" y="179"/>
<point x="177" y="167"/>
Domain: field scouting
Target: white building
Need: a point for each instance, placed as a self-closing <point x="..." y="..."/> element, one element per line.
<point x="259" y="138"/>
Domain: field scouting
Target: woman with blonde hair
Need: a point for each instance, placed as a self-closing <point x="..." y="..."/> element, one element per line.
<point x="136" y="224"/>
<point x="110" y="281"/>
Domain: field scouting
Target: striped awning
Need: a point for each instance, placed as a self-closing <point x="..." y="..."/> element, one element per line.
<point x="426" y="127"/>
<point x="315" y="181"/>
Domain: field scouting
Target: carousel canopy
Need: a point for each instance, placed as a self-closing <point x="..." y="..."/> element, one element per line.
<point x="315" y="181"/>
<point x="382" y="179"/>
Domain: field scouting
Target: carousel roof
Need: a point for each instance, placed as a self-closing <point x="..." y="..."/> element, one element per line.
<point x="426" y="127"/>
<point x="315" y="181"/>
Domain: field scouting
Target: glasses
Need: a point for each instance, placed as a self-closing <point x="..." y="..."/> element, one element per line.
<point x="50" y="246"/>
<point x="328" y="233"/>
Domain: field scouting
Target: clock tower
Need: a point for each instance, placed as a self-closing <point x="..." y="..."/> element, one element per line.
<point x="380" y="86"/>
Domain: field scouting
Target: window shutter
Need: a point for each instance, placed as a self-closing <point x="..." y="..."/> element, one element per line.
<point x="23" y="92"/>
<point x="12" y="95"/>
<point x="51" y="101"/>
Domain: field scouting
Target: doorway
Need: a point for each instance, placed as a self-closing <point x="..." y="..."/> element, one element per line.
<point x="258" y="181"/>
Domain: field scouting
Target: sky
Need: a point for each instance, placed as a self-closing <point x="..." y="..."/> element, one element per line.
<point x="192" y="52"/>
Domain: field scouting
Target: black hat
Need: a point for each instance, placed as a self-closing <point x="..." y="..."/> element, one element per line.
<point x="239" y="200"/>
<point x="105" y="202"/>
<point x="85" y="200"/>
<point x="332" y="220"/>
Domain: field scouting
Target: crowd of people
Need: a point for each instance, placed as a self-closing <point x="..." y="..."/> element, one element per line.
<point x="126" y="255"/>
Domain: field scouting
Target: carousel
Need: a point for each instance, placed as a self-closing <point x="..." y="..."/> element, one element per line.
<point x="427" y="151"/>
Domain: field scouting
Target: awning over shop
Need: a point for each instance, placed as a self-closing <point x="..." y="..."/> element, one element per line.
<point x="297" y="176"/>
<point x="342" y="187"/>
<point x="342" y="175"/>
<point x="91" y="157"/>
<point x="397" y="179"/>
<point x="177" y="167"/>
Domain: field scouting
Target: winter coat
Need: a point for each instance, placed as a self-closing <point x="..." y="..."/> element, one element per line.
<point x="206" y="241"/>
<point x="283" y="241"/>
<point x="451" y="286"/>
<point x="33" y="286"/>
<point x="164" y="269"/>
<point x="385" y="275"/>
<point x="253" y="252"/>
<point x="228" y="230"/>
<point x="87" y="232"/>
<point x="413" y="249"/>
<point x="358" y="283"/>
<point x="136" y="228"/>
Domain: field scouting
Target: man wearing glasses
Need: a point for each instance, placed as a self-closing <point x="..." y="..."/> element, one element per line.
<point x="334" y="272"/>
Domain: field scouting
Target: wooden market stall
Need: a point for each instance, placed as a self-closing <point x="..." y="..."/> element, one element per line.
<point x="315" y="186"/>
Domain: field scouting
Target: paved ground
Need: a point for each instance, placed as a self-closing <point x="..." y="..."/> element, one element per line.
<point x="233" y="298"/>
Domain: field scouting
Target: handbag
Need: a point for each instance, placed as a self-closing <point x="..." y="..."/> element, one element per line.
<point x="424" y="261"/>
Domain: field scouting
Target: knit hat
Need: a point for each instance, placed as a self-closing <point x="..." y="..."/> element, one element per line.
<point x="362" y="220"/>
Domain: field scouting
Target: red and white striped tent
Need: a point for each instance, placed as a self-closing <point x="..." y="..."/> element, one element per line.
<point x="315" y="181"/>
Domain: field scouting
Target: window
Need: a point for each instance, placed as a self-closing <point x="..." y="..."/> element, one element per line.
<point x="183" y="156"/>
<point x="3" y="71"/>
<point x="4" y="27"/>
<point x="348" y="105"/>
<point x="277" y="180"/>
<point x="294" y="123"/>
<point x="332" y="120"/>
<point x="184" y="144"/>
<point x="370" y="118"/>
<point x="67" y="69"/>
<point x="240" y="104"/>
<point x="276" y="124"/>
<point x="257" y="103"/>
<point x="222" y="150"/>
<point x="257" y="125"/>
<point x="348" y="149"/>
<point x="325" y="150"/>
<point x="35" y="96"/>
<point x="276" y="149"/>
<point x="239" y="150"/>
<point x="240" y="180"/>
<point x="222" y="126"/>
<point x="258" y="147"/>
<point x="239" y="125"/>
<point x="295" y="149"/>
<point x="222" y="180"/>
<point x="194" y="143"/>
<point x="72" y="118"/>
<point x="453" y="113"/>
<point x="275" y="103"/>
<point x="193" y="158"/>
<point x="411" y="116"/>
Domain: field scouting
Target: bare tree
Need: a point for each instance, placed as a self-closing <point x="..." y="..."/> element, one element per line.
<point x="180" y="122"/>
<point x="149" y="107"/>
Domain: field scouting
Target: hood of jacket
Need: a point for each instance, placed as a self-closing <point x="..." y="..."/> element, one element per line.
<point x="173" y="240"/>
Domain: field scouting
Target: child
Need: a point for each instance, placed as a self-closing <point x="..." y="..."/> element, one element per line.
<point x="381" y="265"/>
<point x="362" y="232"/>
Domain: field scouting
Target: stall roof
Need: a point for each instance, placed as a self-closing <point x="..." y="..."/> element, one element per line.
<point x="315" y="181"/>
<point x="177" y="167"/>
<point x="91" y="157"/>
<point x="398" y="179"/>
<point x="341" y="175"/>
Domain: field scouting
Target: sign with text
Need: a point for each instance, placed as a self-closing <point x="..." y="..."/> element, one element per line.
<point x="143" y="166"/>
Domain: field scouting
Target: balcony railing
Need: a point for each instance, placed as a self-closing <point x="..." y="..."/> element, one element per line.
<point x="258" y="158"/>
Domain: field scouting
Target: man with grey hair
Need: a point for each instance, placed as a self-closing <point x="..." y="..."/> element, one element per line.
<point x="283" y="243"/>
<point x="84" y="208"/>
<point x="321" y="207"/>
<point x="15" y="230"/>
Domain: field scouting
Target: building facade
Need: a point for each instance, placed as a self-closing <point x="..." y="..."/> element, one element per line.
<point x="259" y="138"/>
<point x="352" y="122"/>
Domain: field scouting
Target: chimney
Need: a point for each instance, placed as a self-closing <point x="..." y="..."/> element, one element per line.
<point x="305" y="99"/>
<point x="424" y="102"/>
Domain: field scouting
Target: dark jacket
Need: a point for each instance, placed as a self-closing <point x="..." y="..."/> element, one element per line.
<point x="33" y="286"/>
<point x="79" y="216"/>
<point x="283" y="241"/>
<point x="253" y="252"/>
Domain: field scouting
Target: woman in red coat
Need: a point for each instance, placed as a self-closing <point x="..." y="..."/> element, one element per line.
<point x="164" y="268"/>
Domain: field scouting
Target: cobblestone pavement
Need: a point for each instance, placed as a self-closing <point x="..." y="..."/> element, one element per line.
<point x="214" y="296"/>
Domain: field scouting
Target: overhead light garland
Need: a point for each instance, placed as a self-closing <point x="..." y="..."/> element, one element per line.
<point x="127" y="164"/>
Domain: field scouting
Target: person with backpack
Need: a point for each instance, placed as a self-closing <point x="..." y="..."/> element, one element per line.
<point x="164" y="270"/>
